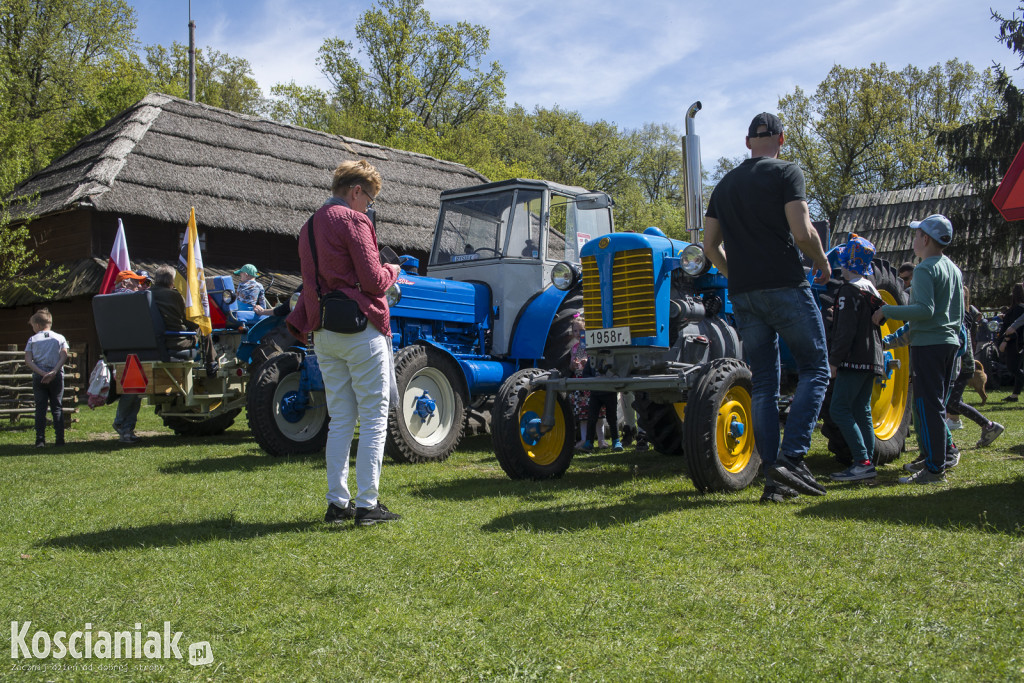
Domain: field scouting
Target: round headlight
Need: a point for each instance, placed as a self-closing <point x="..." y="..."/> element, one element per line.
<point x="394" y="294"/>
<point x="692" y="260"/>
<point x="293" y="301"/>
<point x="994" y="325"/>
<point x="228" y="296"/>
<point x="563" y="276"/>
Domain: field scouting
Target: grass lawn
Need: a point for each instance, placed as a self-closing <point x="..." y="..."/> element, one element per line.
<point x="618" y="571"/>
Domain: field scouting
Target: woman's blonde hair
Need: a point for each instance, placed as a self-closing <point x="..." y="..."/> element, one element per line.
<point x="356" y="173"/>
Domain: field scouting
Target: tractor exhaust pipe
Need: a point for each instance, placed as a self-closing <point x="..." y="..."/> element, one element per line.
<point x="694" y="201"/>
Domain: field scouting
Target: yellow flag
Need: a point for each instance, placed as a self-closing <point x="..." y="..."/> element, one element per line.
<point x="190" y="280"/>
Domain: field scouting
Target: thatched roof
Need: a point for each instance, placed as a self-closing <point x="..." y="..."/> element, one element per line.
<point x="884" y="219"/>
<point x="165" y="154"/>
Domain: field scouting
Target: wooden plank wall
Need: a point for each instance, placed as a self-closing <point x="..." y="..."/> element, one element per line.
<point x="16" y="399"/>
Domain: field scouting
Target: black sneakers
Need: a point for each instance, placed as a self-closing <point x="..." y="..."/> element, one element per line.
<point x="794" y="473"/>
<point x="337" y="515"/>
<point x="776" y="491"/>
<point x="375" y="515"/>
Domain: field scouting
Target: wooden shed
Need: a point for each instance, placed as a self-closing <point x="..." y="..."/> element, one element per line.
<point x="884" y="219"/>
<point x="253" y="183"/>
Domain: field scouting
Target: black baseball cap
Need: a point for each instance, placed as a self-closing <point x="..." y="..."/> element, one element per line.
<point x="772" y="122"/>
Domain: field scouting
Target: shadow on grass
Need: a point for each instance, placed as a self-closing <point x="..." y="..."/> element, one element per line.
<point x="175" y="534"/>
<point x="73" y="447"/>
<point x="247" y="462"/>
<point x="992" y="508"/>
<point x="643" y="506"/>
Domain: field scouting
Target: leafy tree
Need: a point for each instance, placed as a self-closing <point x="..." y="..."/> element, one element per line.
<point x="982" y="150"/>
<point x="221" y="80"/>
<point x="418" y="74"/>
<point x="874" y="129"/>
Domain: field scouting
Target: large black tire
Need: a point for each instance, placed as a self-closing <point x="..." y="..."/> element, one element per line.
<point x="662" y="422"/>
<point x="516" y="404"/>
<point x="201" y="426"/>
<point x="988" y="354"/>
<point x="278" y="427"/>
<point x="558" y="348"/>
<point x="421" y="370"/>
<point x="719" y="446"/>
<point x="891" y="399"/>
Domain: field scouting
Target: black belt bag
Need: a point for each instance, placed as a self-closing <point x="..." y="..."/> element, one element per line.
<point x="338" y="313"/>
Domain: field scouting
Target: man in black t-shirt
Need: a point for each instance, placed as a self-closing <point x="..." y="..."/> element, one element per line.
<point x="756" y="220"/>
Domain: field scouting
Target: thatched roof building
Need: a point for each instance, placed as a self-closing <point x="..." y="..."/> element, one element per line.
<point x="884" y="219"/>
<point x="252" y="181"/>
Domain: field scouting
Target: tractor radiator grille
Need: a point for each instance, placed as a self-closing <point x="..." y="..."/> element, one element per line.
<point x="632" y="293"/>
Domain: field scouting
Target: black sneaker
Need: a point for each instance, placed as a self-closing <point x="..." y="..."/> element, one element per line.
<point x="776" y="491"/>
<point x="337" y="515"/>
<point x="375" y="515"/>
<point x="794" y="473"/>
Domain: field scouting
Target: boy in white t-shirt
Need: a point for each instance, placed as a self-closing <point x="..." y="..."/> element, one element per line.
<point x="45" y="354"/>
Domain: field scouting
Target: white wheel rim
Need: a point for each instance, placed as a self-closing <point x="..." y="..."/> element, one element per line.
<point x="436" y="427"/>
<point x="308" y="426"/>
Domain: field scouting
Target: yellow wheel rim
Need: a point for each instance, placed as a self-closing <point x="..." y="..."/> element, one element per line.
<point x="735" y="449"/>
<point x="680" y="410"/>
<point x="889" y="398"/>
<point x="549" y="446"/>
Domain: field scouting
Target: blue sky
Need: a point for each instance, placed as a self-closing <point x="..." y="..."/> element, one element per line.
<point x="625" y="62"/>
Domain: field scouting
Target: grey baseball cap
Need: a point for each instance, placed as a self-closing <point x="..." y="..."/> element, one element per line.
<point x="937" y="227"/>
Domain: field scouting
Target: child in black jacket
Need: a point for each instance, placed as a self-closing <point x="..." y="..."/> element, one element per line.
<point x="855" y="358"/>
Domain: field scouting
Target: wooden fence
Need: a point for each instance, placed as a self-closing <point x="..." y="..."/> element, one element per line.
<point x="16" y="399"/>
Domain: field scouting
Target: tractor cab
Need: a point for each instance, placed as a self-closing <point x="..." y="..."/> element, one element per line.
<point x="508" y="235"/>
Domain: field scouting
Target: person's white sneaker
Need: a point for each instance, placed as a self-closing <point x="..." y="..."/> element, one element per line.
<point x="954" y="424"/>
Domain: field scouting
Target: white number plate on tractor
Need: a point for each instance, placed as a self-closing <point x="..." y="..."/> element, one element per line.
<point x="609" y="336"/>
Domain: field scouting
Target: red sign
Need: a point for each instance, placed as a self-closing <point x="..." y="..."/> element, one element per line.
<point x="1009" y="196"/>
<point x="133" y="377"/>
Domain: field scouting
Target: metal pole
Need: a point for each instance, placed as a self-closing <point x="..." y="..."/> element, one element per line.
<point x="191" y="55"/>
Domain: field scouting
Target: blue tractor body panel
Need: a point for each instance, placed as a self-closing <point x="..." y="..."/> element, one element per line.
<point x="534" y="323"/>
<point x="450" y="315"/>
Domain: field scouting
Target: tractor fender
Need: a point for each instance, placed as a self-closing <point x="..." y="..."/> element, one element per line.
<point x="255" y="334"/>
<point x="534" y="323"/>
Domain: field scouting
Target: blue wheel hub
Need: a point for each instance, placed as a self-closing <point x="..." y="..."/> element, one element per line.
<point x="292" y="407"/>
<point x="425" y="406"/>
<point x="736" y="428"/>
<point x="529" y="428"/>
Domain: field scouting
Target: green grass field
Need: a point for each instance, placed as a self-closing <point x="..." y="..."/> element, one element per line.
<point x="618" y="571"/>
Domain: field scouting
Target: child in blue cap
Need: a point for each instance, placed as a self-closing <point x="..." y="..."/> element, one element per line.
<point x="855" y="357"/>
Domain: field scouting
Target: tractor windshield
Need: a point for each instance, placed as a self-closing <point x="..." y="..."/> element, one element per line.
<point x="470" y="228"/>
<point x="570" y="227"/>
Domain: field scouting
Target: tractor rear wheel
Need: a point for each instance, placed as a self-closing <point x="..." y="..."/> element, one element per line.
<point x="201" y="425"/>
<point x="277" y="418"/>
<point x="719" y="447"/>
<point x="429" y="420"/>
<point x="522" y="451"/>
<point x="662" y="422"/>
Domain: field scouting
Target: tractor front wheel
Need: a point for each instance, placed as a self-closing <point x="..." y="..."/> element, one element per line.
<point x="201" y="425"/>
<point x="280" y="418"/>
<point x="429" y="420"/>
<point x="719" y="436"/>
<point x="523" y="451"/>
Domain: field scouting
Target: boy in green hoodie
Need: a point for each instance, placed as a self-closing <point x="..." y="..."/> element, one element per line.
<point x="935" y="312"/>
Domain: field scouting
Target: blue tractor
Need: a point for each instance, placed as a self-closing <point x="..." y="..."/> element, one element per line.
<point x="659" y="324"/>
<point x="486" y="310"/>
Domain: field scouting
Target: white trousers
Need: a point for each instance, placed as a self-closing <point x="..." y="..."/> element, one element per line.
<point x="358" y="372"/>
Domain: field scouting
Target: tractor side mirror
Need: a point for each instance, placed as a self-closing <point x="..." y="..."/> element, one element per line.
<point x="593" y="200"/>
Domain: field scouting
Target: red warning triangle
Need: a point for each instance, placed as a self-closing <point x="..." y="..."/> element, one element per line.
<point x="133" y="377"/>
<point x="1009" y="196"/>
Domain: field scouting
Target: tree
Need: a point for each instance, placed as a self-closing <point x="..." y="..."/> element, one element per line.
<point x="874" y="129"/>
<point x="982" y="150"/>
<point x="221" y="80"/>
<point x="417" y="73"/>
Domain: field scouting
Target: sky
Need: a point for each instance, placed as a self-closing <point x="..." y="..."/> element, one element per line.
<point x="627" y="63"/>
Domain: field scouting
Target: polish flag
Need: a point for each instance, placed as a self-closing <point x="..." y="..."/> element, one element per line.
<point x="117" y="262"/>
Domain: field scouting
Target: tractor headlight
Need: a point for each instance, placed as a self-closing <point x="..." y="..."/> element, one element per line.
<point x="394" y="294"/>
<point x="564" y="276"/>
<point x="692" y="260"/>
<point x="228" y="296"/>
<point x="293" y="301"/>
<point x="993" y="325"/>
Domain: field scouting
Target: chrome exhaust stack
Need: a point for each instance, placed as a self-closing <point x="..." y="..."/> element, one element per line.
<point x="693" y="180"/>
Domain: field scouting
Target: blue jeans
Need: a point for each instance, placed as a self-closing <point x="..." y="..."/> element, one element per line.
<point x="851" y="410"/>
<point x="127" y="413"/>
<point x="762" y="317"/>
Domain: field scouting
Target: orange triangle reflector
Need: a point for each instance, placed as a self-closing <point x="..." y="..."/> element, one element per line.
<point x="133" y="378"/>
